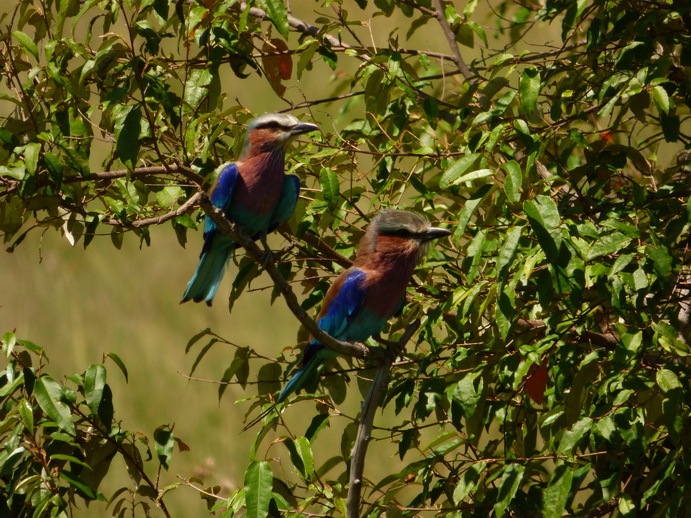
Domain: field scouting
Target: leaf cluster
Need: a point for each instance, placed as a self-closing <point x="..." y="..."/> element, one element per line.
<point x="550" y="373"/>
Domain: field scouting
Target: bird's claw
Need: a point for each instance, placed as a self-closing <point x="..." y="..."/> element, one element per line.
<point x="265" y="257"/>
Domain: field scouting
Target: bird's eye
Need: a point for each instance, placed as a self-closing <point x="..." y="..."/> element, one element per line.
<point x="399" y="232"/>
<point x="272" y="125"/>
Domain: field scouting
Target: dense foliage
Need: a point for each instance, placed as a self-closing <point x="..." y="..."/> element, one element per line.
<point x="551" y="366"/>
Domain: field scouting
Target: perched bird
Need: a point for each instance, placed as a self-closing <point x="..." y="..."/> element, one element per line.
<point x="253" y="192"/>
<point x="361" y="300"/>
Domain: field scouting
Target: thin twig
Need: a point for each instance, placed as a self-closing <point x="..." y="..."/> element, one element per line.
<point x="451" y="39"/>
<point x="157" y="220"/>
<point x="369" y="407"/>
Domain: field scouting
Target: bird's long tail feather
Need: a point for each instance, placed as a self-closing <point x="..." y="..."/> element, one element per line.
<point x="305" y="374"/>
<point x="315" y="354"/>
<point x="207" y="277"/>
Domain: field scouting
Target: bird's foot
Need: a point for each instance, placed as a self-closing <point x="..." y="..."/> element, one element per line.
<point x="388" y="343"/>
<point x="268" y="256"/>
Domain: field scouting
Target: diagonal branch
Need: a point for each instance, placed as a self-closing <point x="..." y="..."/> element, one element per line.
<point x="346" y="348"/>
<point x="157" y="220"/>
<point x="451" y="39"/>
<point x="369" y="407"/>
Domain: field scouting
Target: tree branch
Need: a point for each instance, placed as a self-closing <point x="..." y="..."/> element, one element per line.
<point x="451" y="39"/>
<point x="369" y="407"/>
<point x="157" y="220"/>
<point x="300" y="25"/>
<point x="345" y="348"/>
<point x="141" y="171"/>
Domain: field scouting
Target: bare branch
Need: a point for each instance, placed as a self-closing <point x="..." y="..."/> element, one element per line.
<point x="369" y="407"/>
<point x="157" y="220"/>
<point x="346" y="348"/>
<point x="451" y="39"/>
<point x="198" y="179"/>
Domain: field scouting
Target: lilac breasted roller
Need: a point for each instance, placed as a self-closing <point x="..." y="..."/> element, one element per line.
<point x="253" y="192"/>
<point x="364" y="297"/>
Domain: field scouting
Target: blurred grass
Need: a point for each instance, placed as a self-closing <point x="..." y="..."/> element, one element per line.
<point x="79" y="305"/>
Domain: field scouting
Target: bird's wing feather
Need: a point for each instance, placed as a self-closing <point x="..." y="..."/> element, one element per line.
<point x="220" y="197"/>
<point x="222" y="193"/>
<point x="344" y="305"/>
<point x="286" y="205"/>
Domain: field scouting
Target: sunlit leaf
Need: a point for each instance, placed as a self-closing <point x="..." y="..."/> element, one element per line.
<point x="49" y="394"/>
<point x="258" y="483"/>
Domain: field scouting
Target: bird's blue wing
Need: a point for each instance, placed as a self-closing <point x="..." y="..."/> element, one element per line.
<point x="344" y="305"/>
<point x="341" y="310"/>
<point x="286" y="205"/>
<point x="222" y="192"/>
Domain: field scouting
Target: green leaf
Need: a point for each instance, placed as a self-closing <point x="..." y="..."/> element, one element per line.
<point x="508" y="252"/>
<point x="607" y="245"/>
<point x="276" y="12"/>
<point x="201" y="354"/>
<point x="468" y="209"/>
<point x="32" y="152"/>
<point x="70" y="458"/>
<point x="169" y="195"/>
<point x="456" y="169"/>
<point x="474" y="175"/>
<point x="119" y="363"/>
<point x="509" y="484"/>
<point x="165" y="441"/>
<point x="127" y="129"/>
<point x="49" y="394"/>
<point x="9" y="340"/>
<point x="197" y="86"/>
<point x="330" y="187"/>
<point x="544" y="219"/>
<point x="667" y="380"/>
<point x="258" y="484"/>
<point x="74" y="480"/>
<point x="626" y="505"/>
<point x="304" y="449"/>
<point x="27" y="415"/>
<point x="27" y="42"/>
<point x="468" y="392"/>
<point x="512" y="183"/>
<point x="94" y="382"/>
<point x="318" y="423"/>
<point x="661" y="98"/>
<point x="556" y="494"/>
<point x="529" y="89"/>
<point x="571" y="437"/>
<point x="468" y="481"/>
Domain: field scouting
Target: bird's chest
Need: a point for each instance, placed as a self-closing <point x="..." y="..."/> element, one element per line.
<point x="255" y="197"/>
<point x="382" y="299"/>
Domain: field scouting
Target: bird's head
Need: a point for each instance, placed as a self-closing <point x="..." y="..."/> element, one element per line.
<point x="400" y="232"/>
<point x="274" y="131"/>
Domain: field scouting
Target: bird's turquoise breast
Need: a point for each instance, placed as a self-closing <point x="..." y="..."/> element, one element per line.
<point x="362" y="326"/>
<point x="251" y="223"/>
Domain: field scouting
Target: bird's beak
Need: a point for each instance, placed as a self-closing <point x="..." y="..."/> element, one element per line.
<point x="303" y="127"/>
<point x="435" y="233"/>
